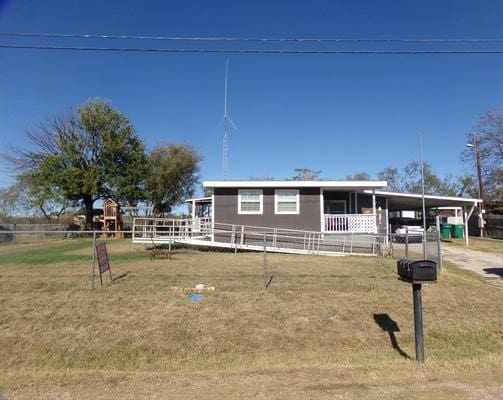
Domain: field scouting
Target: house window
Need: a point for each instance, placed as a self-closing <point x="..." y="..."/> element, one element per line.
<point x="286" y="201"/>
<point x="250" y="202"/>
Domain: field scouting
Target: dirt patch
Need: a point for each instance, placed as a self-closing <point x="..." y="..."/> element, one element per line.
<point x="489" y="265"/>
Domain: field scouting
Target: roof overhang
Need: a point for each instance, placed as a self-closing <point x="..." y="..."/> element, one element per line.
<point x="355" y="185"/>
<point x="199" y="200"/>
<point x="412" y="201"/>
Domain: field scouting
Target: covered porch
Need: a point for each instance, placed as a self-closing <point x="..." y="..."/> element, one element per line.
<point x="351" y="212"/>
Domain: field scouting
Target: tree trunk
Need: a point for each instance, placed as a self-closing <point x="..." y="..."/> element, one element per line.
<point x="88" y="203"/>
<point x="45" y="213"/>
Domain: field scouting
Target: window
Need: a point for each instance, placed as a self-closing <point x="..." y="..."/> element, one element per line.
<point x="286" y="201"/>
<point x="250" y="202"/>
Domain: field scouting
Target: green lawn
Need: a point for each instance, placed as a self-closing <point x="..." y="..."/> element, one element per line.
<point x="312" y="335"/>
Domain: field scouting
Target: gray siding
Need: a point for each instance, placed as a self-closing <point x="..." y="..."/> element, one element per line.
<point x="309" y="218"/>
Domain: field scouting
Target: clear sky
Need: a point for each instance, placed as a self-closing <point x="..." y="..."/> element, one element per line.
<point x="341" y="114"/>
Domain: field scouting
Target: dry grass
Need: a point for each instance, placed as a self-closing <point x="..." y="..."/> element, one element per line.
<point x="312" y="334"/>
<point x="480" y="244"/>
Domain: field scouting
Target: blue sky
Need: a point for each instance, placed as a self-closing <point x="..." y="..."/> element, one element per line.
<point x="341" y="114"/>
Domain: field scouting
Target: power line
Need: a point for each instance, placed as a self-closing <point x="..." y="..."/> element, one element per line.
<point x="249" y="51"/>
<point x="254" y="39"/>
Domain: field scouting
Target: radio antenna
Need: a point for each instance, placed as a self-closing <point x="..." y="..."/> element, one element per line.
<point x="228" y="125"/>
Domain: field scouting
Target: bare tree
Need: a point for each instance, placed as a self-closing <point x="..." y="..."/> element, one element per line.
<point x="486" y="137"/>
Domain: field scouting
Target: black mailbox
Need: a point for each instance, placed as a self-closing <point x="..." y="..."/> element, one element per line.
<point x="417" y="270"/>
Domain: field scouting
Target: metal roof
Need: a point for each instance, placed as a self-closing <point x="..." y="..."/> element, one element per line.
<point x="413" y="201"/>
<point x="355" y="185"/>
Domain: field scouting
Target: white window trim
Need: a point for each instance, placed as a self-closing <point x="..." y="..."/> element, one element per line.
<point x="261" y="211"/>
<point x="297" y="201"/>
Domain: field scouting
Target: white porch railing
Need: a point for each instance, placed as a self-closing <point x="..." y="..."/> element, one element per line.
<point x="356" y="223"/>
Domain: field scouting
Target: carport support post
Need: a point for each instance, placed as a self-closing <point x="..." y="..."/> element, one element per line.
<point x="465" y="215"/>
<point x="418" y="322"/>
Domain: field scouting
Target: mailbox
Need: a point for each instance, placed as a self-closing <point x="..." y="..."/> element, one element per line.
<point x="417" y="270"/>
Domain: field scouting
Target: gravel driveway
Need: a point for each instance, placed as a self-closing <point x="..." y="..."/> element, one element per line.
<point x="489" y="265"/>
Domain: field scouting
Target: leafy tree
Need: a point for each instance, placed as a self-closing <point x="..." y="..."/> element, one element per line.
<point x="467" y="187"/>
<point x="306" y="174"/>
<point x="432" y="183"/>
<point x="360" y="176"/>
<point x="83" y="156"/>
<point x="8" y="202"/>
<point x="15" y="200"/>
<point x="261" y="178"/>
<point x="392" y="176"/>
<point x="410" y="180"/>
<point x="173" y="175"/>
<point x="489" y="132"/>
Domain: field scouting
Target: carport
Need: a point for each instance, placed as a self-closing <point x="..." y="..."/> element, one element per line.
<point x="409" y="201"/>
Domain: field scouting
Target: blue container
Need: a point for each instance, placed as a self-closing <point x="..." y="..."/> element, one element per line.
<point x="195" y="297"/>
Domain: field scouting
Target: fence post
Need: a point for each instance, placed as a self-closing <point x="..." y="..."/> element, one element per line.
<point x="406" y="242"/>
<point x="439" y="244"/>
<point x="233" y="232"/>
<point x="266" y="270"/>
<point x="93" y="265"/>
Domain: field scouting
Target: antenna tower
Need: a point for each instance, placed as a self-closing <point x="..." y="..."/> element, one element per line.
<point x="227" y="121"/>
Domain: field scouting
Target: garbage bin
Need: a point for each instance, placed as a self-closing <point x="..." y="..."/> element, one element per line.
<point x="445" y="230"/>
<point x="458" y="231"/>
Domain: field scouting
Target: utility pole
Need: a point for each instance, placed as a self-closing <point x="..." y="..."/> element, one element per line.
<point x="479" y="170"/>
<point x="476" y="146"/>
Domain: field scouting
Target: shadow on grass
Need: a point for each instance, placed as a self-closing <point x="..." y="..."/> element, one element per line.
<point x="388" y="325"/>
<point x="494" y="270"/>
<point x="121" y="276"/>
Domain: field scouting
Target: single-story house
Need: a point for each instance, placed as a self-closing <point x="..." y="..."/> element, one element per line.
<point x="319" y="206"/>
<point x="328" y="207"/>
<point x="331" y="217"/>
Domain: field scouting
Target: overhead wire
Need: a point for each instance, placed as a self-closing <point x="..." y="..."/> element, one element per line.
<point x="244" y="51"/>
<point x="289" y="41"/>
<point x="254" y="39"/>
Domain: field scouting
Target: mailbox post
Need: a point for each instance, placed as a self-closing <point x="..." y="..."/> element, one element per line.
<point x="418" y="322"/>
<point x="416" y="273"/>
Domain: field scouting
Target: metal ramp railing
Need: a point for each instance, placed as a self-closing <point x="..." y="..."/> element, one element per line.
<point x="233" y="236"/>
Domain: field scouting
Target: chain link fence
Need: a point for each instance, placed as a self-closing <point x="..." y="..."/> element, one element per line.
<point x="416" y="246"/>
<point x="264" y="261"/>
